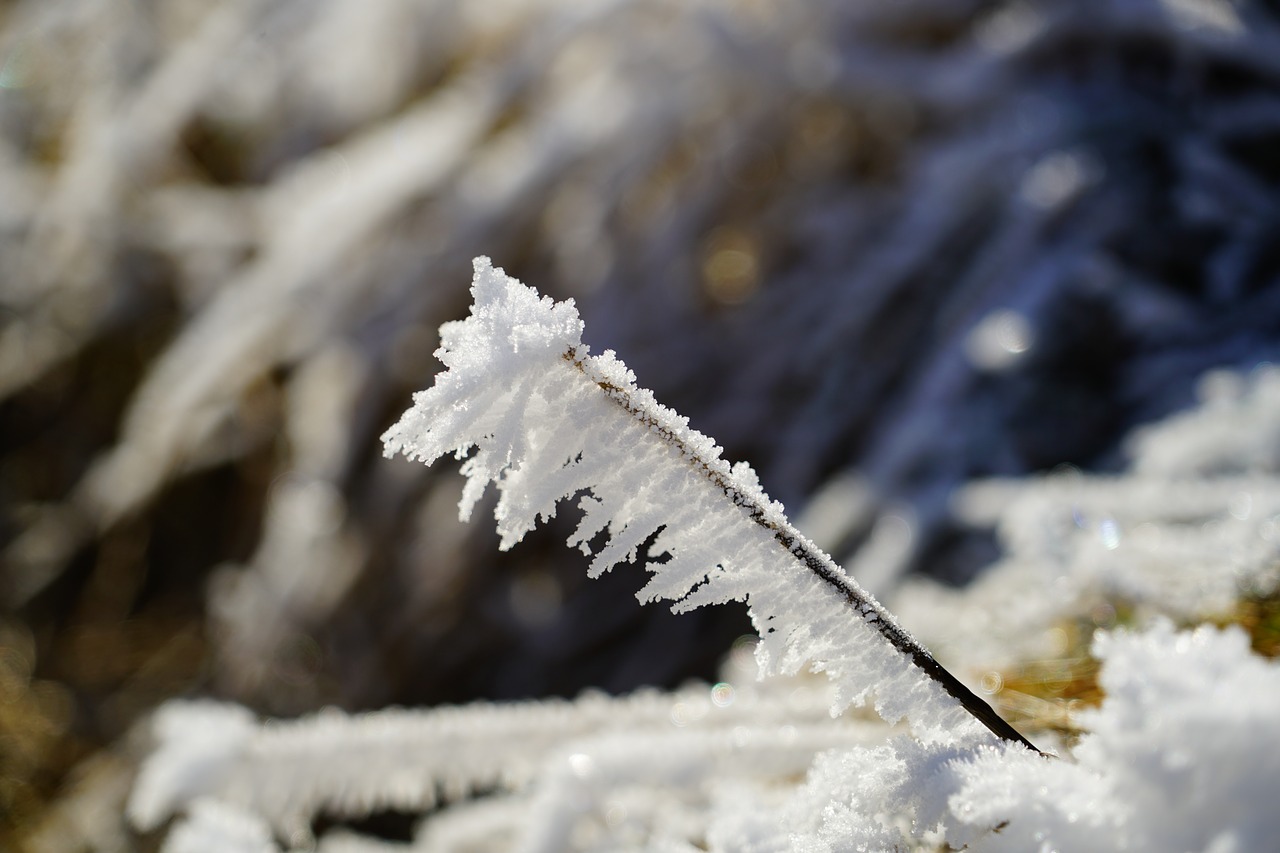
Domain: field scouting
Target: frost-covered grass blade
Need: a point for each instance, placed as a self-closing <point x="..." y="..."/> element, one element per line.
<point x="543" y="420"/>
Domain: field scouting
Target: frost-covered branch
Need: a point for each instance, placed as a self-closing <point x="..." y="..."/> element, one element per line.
<point x="549" y="421"/>
<point x="727" y="777"/>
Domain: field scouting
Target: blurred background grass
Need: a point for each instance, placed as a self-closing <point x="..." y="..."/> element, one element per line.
<point x="874" y="249"/>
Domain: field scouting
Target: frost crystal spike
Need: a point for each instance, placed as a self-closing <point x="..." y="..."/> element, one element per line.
<point x="544" y="420"/>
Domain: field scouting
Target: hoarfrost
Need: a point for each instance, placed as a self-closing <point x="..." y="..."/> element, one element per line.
<point x="1182" y="754"/>
<point x="288" y="180"/>
<point x="547" y="421"/>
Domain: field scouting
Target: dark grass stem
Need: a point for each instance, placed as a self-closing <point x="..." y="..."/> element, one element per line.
<point x="820" y="565"/>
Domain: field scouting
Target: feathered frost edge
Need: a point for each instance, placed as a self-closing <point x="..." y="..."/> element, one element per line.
<point x="533" y="412"/>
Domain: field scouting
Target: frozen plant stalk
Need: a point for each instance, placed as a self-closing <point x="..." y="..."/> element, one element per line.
<point x="548" y="421"/>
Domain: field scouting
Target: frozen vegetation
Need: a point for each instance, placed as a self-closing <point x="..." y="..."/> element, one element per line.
<point x="905" y="258"/>
<point x="1183" y="753"/>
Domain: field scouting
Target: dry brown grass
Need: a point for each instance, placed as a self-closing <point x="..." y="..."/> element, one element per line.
<point x="1049" y="693"/>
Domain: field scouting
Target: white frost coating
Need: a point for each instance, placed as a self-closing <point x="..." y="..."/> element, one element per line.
<point x="546" y="420"/>
<point x="1189" y="718"/>
<point x="283" y="771"/>
<point x="1189" y="530"/>
<point x="578" y="784"/>
<point x="1183" y="754"/>
<point x="1235" y="429"/>
<point x="199" y="743"/>
<point x="215" y="827"/>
